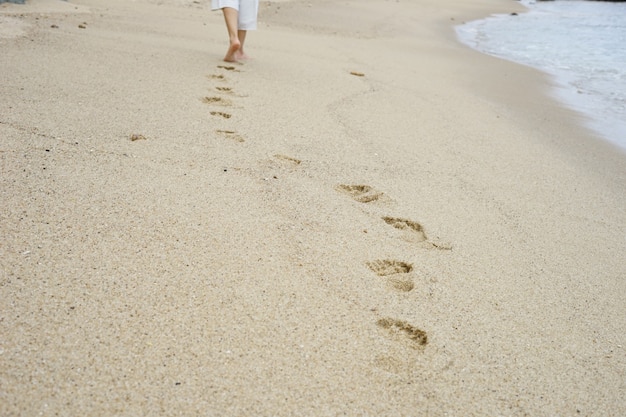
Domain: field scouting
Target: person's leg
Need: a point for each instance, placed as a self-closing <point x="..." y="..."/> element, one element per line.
<point x="248" y="11"/>
<point x="240" y="54"/>
<point x="231" y="16"/>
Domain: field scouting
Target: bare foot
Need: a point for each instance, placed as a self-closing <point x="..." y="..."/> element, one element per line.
<point x="241" y="55"/>
<point x="233" y="51"/>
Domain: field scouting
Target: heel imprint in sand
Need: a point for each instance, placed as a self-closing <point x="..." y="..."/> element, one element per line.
<point x="401" y="328"/>
<point x="401" y="284"/>
<point x="360" y="193"/>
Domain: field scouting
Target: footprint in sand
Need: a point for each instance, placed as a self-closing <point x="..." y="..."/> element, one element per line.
<point x="360" y="193"/>
<point x="228" y="68"/>
<point x="224" y="89"/>
<point x="216" y="77"/>
<point x="396" y="272"/>
<point x="400" y="330"/>
<point x="391" y="364"/>
<point x="403" y="224"/>
<point x="415" y="232"/>
<point x="217" y="101"/>
<point x="135" y="137"/>
<point x="221" y="114"/>
<point x="230" y="134"/>
<point x="288" y="159"/>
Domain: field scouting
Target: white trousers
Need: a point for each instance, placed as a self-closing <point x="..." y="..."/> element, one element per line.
<point x="248" y="10"/>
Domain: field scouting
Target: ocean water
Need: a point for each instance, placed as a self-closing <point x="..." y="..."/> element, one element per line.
<point x="582" y="44"/>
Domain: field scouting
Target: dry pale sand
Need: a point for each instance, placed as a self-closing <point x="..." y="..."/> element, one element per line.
<point x="431" y="236"/>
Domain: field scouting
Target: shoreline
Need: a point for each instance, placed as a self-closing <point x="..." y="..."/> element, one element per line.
<point x="561" y="88"/>
<point x="369" y="217"/>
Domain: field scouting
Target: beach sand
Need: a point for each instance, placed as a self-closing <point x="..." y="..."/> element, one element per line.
<point x="367" y="218"/>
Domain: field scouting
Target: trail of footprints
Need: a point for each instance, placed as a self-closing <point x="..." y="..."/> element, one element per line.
<point x="222" y="102"/>
<point x="397" y="274"/>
